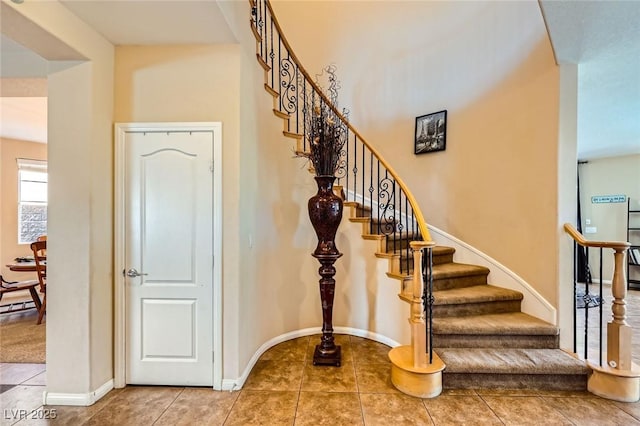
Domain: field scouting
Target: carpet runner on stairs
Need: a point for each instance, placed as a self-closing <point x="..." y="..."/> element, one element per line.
<point x="551" y="369"/>
<point x="480" y="332"/>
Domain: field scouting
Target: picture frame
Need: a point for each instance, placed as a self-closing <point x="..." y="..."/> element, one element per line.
<point x="634" y="255"/>
<point x="431" y="133"/>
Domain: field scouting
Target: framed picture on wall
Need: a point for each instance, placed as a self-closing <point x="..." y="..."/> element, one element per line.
<point x="431" y="133"/>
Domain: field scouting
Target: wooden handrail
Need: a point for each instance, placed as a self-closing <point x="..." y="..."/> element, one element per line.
<point x="422" y="223"/>
<point x="580" y="239"/>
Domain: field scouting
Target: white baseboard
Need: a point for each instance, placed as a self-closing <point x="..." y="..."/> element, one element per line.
<point x="236" y="384"/>
<point x="77" y="399"/>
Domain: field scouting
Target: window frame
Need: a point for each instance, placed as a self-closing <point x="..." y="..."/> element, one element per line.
<point x="33" y="166"/>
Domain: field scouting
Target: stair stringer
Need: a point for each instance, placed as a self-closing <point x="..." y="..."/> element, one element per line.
<point x="533" y="303"/>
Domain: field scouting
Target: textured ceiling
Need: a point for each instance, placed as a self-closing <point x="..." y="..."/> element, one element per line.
<point x="149" y="22"/>
<point x="603" y="37"/>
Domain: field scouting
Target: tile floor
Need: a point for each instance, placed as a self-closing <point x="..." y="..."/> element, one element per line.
<point x="285" y="388"/>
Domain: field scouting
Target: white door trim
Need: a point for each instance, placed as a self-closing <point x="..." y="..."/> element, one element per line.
<point x="119" y="332"/>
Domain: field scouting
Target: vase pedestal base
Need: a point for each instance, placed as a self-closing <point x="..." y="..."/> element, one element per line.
<point x="321" y="357"/>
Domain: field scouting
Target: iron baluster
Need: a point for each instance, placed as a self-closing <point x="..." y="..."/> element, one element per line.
<point x="297" y="100"/>
<point x="304" y="116"/>
<point x="371" y="189"/>
<point x="378" y="191"/>
<point x="355" y="167"/>
<point x="575" y="297"/>
<point x="346" y="168"/>
<point x="363" y="173"/>
<point x="427" y="297"/>
<point x="261" y="29"/>
<point x="272" y="56"/>
<point x="586" y="313"/>
<point x="393" y="218"/>
<point x="406" y="207"/>
<point x="281" y="88"/>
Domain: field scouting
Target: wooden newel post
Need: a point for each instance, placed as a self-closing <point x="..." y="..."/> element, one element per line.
<point x="619" y="333"/>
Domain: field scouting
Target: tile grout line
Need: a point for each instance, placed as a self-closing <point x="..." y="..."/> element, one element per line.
<point x="492" y="410"/>
<point x="169" y="405"/>
<point x="304" y="365"/>
<point x="355" y="374"/>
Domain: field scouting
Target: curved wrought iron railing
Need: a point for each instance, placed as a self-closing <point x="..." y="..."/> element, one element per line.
<point x="366" y="177"/>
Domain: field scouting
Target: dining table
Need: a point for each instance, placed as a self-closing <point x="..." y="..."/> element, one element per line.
<point x="22" y="266"/>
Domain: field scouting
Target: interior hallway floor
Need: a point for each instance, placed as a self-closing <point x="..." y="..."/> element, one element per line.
<point x="285" y="388"/>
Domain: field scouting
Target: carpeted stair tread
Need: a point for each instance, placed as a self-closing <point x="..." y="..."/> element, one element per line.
<point x="457" y="270"/>
<point x="442" y="255"/>
<point x="510" y="361"/>
<point x="474" y="294"/>
<point x="511" y="323"/>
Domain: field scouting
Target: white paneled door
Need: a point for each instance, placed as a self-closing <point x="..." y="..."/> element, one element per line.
<point x="168" y="259"/>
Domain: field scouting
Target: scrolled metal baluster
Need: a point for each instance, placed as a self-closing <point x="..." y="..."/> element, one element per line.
<point x="386" y="209"/>
<point x="288" y="91"/>
<point x="341" y="171"/>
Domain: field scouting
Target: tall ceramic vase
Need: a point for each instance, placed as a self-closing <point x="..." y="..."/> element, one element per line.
<point x="325" y="212"/>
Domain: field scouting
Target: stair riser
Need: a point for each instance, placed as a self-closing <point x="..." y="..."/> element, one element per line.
<point x="495" y="341"/>
<point x="442" y="259"/>
<point x="458" y="282"/>
<point x="363" y="211"/>
<point x="398" y="245"/>
<point x="556" y="382"/>
<point x="401" y="249"/>
<point x="464" y="309"/>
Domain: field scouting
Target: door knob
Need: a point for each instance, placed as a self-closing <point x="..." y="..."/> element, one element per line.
<point x="132" y="273"/>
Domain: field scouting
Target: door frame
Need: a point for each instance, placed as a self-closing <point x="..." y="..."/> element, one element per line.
<point x="119" y="331"/>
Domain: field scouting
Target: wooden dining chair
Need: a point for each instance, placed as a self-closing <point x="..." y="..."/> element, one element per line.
<point x="12" y="286"/>
<point x="42" y="238"/>
<point x="39" y="249"/>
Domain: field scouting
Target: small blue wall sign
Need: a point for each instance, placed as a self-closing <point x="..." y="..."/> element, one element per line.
<point x="598" y="199"/>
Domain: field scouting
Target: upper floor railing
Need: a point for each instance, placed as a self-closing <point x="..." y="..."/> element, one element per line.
<point x="365" y="176"/>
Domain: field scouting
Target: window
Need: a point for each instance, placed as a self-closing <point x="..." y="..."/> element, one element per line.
<point x="32" y="200"/>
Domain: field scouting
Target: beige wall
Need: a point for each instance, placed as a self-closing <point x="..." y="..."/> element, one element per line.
<point x="490" y="64"/>
<point x="567" y="166"/>
<point x="609" y="176"/>
<point x="10" y="150"/>
<point x="80" y="193"/>
<point x="193" y="83"/>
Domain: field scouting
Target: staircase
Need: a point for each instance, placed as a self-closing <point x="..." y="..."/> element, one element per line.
<point x="479" y="331"/>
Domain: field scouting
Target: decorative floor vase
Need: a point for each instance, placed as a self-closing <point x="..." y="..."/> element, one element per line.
<point x="325" y="212"/>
